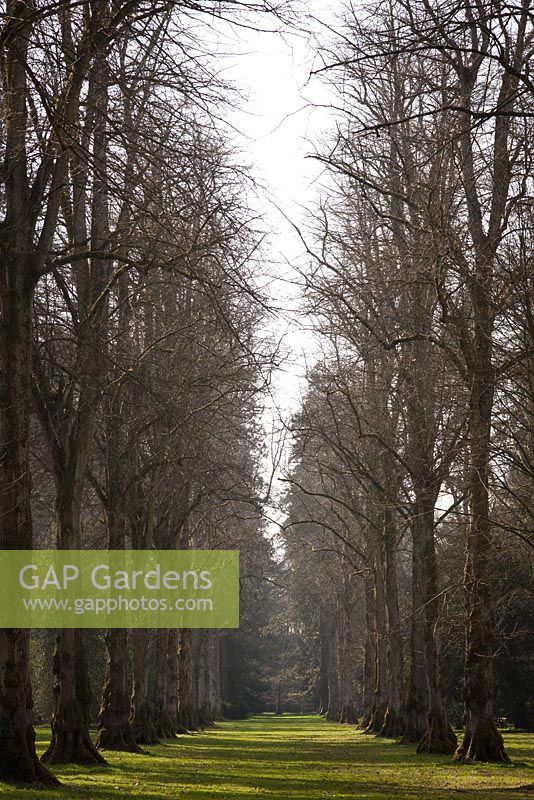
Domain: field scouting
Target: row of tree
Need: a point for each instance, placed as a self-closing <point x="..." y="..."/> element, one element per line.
<point x="131" y="369"/>
<point x="132" y="373"/>
<point x="416" y="435"/>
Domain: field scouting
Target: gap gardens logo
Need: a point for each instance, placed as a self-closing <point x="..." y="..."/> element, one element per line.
<point x="119" y="589"/>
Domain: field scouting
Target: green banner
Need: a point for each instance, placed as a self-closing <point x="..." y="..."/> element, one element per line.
<point x="119" y="589"/>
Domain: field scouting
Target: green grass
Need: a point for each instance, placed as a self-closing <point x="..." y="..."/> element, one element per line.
<point x="289" y="758"/>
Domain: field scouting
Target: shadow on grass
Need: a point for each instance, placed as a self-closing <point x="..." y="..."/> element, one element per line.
<point x="284" y="758"/>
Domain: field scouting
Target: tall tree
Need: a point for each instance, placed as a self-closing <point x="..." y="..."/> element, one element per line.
<point x="36" y="159"/>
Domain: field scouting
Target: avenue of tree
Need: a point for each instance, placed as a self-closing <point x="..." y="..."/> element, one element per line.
<point x="134" y="371"/>
<point x="415" y="440"/>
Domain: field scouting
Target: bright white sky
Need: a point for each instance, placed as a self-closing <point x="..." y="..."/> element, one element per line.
<point x="278" y="126"/>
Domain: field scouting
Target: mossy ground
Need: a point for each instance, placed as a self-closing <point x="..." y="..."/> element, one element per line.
<point x="289" y="758"/>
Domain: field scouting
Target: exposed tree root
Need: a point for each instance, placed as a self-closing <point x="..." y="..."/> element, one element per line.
<point x="143" y="729"/>
<point x="438" y="738"/>
<point x="72" y="746"/>
<point x="19" y="762"/>
<point x="394" y="725"/>
<point x="482" y="743"/>
<point x="377" y="720"/>
<point x="165" y="728"/>
<point x="120" y="739"/>
<point x="416" y="727"/>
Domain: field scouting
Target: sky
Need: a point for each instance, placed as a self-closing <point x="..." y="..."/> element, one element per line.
<point x="277" y="125"/>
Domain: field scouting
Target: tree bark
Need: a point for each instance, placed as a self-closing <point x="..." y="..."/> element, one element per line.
<point x="380" y="699"/>
<point x="394" y="719"/>
<point x="18" y="759"/>
<point x="214" y="641"/>
<point x="334" y="711"/>
<point x="165" y="728"/>
<point x="369" y="666"/>
<point x="203" y="706"/>
<point x="143" y="727"/>
<point x="438" y="736"/>
<point x="418" y="702"/>
<point x="70" y="740"/>
<point x="187" y="716"/>
<point x="18" y="271"/>
<point x="482" y="741"/>
<point x="346" y="658"/>
<point x="324" y="636"/>
<point x="114" y="728"/>
<point x="172" y="682"/>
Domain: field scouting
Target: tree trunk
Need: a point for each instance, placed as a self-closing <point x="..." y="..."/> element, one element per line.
<point x="427" y="714"/>
<point x="418" y="702"/>
<point x="333" y="712"/>
<point x="70" y="741"/>
<point x="203" y="706"/>
<point x="380" y="700"/>
<point x="187" y="716"/>
<point x="172" y="682"/>
<point x="114" y="729"/>
<point x="346" y="657"/>
<point x="214" y="641"/>
<point x="18" y="759"/>
<point x="165" y="729"/>
<point x="482" y="741"/>
<point x="324" y="636"/>
<point x="141" y="721"/>
<point x="369" y="666"/>
<point x="439" y="736"/>
<point x="394" y="719"/>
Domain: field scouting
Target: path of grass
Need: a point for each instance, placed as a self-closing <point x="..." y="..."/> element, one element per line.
<point x="290" y="758"/>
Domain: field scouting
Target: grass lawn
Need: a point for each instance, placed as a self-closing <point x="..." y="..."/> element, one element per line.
<point x="290" y="758"/>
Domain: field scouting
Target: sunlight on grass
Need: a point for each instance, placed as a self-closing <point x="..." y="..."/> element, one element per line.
<point x="290" y="758"/>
